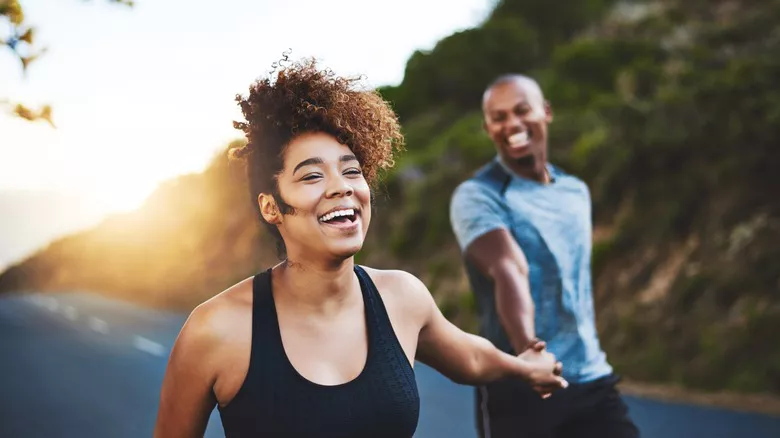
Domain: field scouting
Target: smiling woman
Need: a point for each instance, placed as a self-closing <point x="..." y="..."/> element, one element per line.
<point x="303" y="100"/>
<point x="318" y="346"/>
<point x="327" y="196"/>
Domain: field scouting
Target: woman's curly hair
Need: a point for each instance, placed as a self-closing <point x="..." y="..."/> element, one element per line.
<point x="304" y="99"/>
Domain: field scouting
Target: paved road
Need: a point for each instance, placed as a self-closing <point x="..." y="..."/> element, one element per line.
<point x="77" y="365"/>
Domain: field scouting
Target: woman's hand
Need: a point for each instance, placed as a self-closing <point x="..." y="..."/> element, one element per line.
<point x="543" y="370"/>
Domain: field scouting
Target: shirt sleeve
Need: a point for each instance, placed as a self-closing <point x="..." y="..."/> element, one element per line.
<point x="474" y="211"/>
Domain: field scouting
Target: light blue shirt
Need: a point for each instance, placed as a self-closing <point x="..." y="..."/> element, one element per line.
<point x="552" y="225"/>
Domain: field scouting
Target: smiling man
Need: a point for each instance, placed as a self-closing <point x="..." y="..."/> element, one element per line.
<point x="524" y="226"/>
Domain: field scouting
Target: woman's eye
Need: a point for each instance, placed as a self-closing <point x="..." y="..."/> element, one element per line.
<point x="354" y="172"/>
<point x="310" y="177"/>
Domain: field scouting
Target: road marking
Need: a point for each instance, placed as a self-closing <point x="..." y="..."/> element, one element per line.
<point x="38" y="300"/>
<point x="97" y="325"/>
<point x="45" y="302"/>
<point x="70" y="312"/>
<point x="148" y="346"/>
<point x="52" y="305"/>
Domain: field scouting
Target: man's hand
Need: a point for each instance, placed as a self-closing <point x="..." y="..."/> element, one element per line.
<point x="543" y="370"/>
<point x="539" y="346"/>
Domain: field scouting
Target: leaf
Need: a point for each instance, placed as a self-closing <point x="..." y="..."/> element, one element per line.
<point x="27" y="36"/>
<point x="24" y="112"/>
<point x="45" y="114"/>
<point x="29" y="114"/>
<point x="27" y="60"/>
<point x="13" y="10"/>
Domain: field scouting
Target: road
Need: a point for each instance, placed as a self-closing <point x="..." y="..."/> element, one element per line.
<point x="78" y="365"/>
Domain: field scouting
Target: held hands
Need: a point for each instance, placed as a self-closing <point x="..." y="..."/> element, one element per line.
<point x="543" y="370"/>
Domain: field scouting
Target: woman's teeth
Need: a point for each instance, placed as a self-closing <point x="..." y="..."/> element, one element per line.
<point x="519" y="139"/>
<point x="334" y="214"/>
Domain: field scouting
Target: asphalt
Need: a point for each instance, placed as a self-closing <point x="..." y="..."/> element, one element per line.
<point x="80" y="365"/>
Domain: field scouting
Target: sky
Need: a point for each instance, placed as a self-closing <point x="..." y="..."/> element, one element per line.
<point x="146" y="93"/>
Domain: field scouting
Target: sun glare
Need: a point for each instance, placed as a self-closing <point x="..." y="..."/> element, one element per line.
<point x="123" y="197"/>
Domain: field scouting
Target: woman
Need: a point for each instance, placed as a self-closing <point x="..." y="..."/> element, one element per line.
<point x="318" y="346"/>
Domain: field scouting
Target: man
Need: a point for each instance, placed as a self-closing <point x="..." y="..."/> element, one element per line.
<point x="524" y="226"/>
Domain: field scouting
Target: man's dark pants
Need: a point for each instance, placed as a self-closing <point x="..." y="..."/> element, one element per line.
<point x="511" y="409"/>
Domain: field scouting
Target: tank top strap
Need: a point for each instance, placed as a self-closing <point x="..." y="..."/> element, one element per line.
<point x="376" y="314"/>
<point x="380" y="327"/>
<point x="263" y="316"/>
<point x="261" y="294"/>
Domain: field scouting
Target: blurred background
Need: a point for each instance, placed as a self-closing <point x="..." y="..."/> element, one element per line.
<point x="119" y="212"/>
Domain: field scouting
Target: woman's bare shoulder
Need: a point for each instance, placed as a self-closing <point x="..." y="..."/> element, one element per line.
<point x="396" y="280"/>
<point x="402" y="289"/>
<point x="215" y="335"/>
<point x="220" y="316"/>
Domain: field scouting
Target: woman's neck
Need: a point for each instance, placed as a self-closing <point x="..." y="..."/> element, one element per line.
<point x="314" y="287"/>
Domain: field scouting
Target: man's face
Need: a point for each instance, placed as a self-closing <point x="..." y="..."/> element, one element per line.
<point x="516" y="118"/>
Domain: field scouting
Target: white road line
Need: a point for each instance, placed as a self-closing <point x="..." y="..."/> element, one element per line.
<point x="148" y="346"/>
<point x="70" y="313"/>
<point x="52" y="305"/>
<point x="97" y="325"/>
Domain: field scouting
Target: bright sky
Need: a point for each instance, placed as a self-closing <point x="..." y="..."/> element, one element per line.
<point x="143" y="94"/>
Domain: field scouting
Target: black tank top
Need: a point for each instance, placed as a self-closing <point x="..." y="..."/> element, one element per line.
<point x="276" y="401"/>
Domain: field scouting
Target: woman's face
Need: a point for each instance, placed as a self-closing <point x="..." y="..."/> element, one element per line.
<point x="324" y="184"/>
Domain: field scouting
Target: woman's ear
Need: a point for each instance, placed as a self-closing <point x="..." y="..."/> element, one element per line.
<point x="269" y="209"/>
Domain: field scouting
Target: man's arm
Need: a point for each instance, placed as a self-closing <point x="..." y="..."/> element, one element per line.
<point x="481" y="224"/>
<point x="496" y="255"/>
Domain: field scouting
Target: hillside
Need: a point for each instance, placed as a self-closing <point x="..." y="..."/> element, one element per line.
<point x="667" y="109"/>
<point x="192" y="237"/>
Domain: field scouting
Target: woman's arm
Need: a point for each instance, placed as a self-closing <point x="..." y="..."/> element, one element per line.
<point x="187" y="399"/>
<point x="473" y="360"/>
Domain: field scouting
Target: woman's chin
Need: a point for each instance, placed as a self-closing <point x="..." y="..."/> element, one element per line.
<point x="346" y="250"/>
